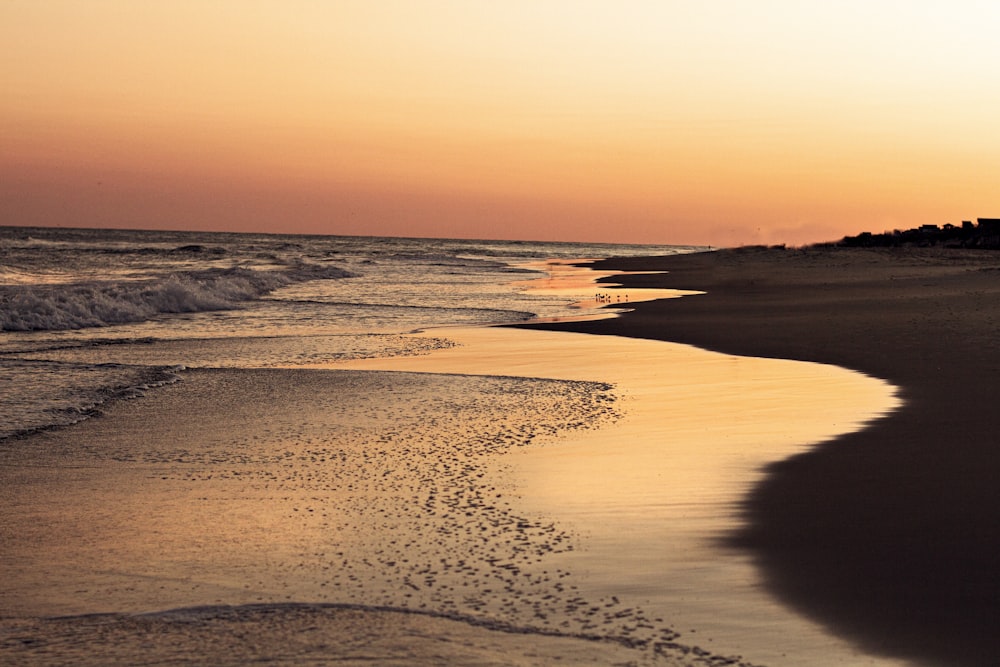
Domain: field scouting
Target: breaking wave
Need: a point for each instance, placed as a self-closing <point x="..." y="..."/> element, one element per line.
<point x="103" y="303"/>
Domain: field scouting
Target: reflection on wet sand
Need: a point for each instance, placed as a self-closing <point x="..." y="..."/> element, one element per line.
<point x="652" y="495"/>
<point x="314" y="501"/>
<point x="577" y="282"/>
<point x="574" y="518"/>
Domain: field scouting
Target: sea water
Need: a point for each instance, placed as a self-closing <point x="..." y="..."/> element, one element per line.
<point x="358" y="514"/>
<point x="88" y="315"/>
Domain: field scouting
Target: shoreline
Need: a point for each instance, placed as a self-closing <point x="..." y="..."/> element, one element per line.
<point x="304" y="411"/>
<point x="652" y="494"/>
<point x="888" y="536"/>
<point x="319" y="512"/>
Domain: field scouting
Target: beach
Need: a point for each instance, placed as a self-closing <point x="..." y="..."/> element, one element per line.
<point x="547" y="496"/>
<point x="888" y="535"/>
<point x="278" y="488"/>
<point x="499" y="518"/>
<point x="651" y="495"/>
<point x="521" y="334"/>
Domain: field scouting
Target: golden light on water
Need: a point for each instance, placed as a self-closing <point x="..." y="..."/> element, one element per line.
<point x="652" y="495"/>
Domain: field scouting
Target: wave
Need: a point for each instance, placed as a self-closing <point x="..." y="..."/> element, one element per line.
<point x="50" y="394"/>
<point x="383" y="633"/>
<point x="104" y="303"/>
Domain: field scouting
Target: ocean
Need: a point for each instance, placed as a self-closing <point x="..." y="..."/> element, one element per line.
<point x="88" y="315"/>
<point x="231" y="448"/>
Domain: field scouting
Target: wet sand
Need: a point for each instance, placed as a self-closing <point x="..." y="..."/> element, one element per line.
<point x="278" y="487"/>
<point x="889" y="536"/>
<point x="295" y="634"/>
<point x="652" y="494"/>
<point x="235" y="496"/>
<point x="248" y="500"/>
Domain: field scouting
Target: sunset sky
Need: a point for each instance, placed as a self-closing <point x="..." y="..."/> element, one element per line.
<point x="654" y="121"/>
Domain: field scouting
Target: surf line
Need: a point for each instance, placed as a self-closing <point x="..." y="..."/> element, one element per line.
<point x="654" y="491"/>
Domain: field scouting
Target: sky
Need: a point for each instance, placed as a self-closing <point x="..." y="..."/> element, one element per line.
<point x="659" y="121"/>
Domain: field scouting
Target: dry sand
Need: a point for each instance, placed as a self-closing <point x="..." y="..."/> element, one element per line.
<point x="891" y="535"/>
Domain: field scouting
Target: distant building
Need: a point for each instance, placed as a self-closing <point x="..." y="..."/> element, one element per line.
<point x="984" y="234"/>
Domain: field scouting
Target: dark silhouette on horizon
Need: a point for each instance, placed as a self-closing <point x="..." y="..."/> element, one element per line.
<point x="985" y="233"/>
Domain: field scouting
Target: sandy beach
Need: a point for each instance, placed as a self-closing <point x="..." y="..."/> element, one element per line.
<point x="468" y="333"/>
<point x="288" y="516"/>
<point x="539" y="497"/>
<point x="891" y="535"/>
<point x="652" y="494"/>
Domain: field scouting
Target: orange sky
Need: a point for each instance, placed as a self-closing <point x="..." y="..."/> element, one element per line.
<point x="653" y="121"/>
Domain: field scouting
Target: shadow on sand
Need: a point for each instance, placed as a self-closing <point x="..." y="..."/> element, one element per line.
<point x="889" y="536"/>
<point x="891" y="545"/>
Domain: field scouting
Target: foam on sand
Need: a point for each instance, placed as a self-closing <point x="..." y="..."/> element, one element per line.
<point x="655" y="493"/>
<point x="523" y="497"/>
<point x="252" y="492"/>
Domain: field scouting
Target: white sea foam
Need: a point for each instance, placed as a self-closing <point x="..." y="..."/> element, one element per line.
<point x="101" y="303"/>
<point x="76" y="302"/>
